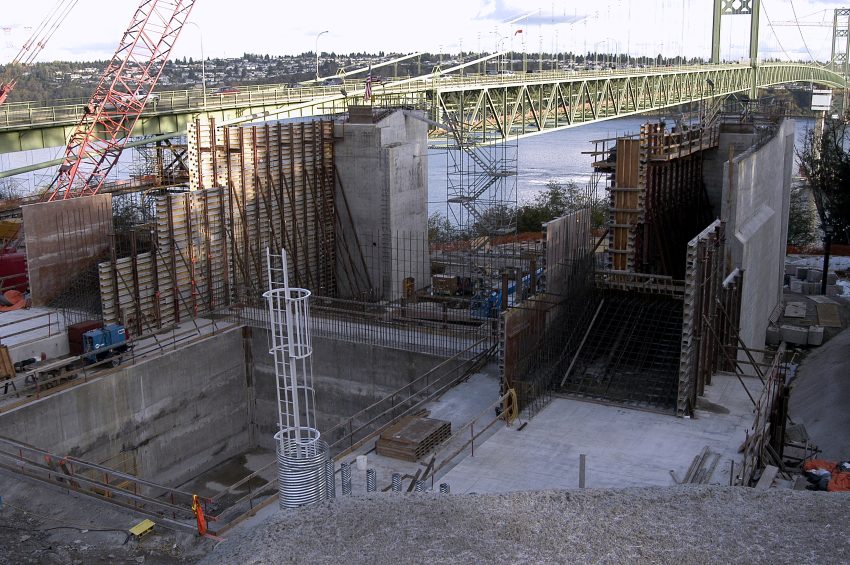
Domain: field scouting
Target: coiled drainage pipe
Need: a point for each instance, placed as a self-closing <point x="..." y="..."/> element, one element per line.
<point x="301" y="477"/>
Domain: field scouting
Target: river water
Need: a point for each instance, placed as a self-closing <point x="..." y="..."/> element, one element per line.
<point x="554" y="156"/>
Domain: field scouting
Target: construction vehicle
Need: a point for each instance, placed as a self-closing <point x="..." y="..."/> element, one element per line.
<point x="99" y="346"/>
<point x="33" y="46"/>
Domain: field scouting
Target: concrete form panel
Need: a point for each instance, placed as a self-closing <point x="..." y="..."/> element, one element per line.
<point x="64" y="239"/>
<point x="711" y="315"/>
<point x="567" y="238"/>
<point x="182" y="276"/>
<point x="279" y="192"/>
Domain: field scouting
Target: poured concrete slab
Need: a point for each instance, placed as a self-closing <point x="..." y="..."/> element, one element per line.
<point x="623" y="447"/>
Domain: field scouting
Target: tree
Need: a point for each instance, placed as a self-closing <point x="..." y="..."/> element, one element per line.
<point x="558" y="200"/>
<point x="439" y="228"/>
<point x="825" y="165"/>
<point x="801" y="229"/>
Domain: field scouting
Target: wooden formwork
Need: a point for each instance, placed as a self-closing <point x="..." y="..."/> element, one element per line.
<point x="711" y="315"/>
<point x="658" y="200"/>
<point x="268" y="185"/>
<point x="183" y="275"/>
<point x="279" y="181"/>
<point x="412" y="437"/>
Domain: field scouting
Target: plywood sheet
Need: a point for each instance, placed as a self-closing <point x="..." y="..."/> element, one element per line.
<point x="828" y="316"/>
<point x="795" y="310"/>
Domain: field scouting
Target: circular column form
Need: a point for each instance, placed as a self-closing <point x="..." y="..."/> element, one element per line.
<point x="302" y="468"/>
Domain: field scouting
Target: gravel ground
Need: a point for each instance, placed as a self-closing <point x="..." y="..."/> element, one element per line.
<point x="46" y="525"/>
<point x="679" y="525"/>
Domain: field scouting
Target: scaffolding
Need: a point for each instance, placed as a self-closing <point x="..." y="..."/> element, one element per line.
<point x="481" y="180"/>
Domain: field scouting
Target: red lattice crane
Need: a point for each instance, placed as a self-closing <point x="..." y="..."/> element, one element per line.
<point x="120" y="96"/>
<point x="30" y="50"/>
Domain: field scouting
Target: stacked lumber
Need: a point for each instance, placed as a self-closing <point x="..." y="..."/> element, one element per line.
<point x="411" y="438"/>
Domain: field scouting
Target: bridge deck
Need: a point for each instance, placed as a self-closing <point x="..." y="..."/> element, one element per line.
<point x="491" y="106"/>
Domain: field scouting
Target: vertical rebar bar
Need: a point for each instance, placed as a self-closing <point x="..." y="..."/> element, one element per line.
<point x="396" y="482"/>
<point x="370" y="481"/>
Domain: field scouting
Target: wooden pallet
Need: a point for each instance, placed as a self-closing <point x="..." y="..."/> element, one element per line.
<point x="413" y="437"/>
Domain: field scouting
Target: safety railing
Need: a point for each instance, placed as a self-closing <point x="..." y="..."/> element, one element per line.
<point x="171" y="507"/>
<point x="359" y="428"/>
<point x="30" y="328"/>
<point x="28" y="114"/>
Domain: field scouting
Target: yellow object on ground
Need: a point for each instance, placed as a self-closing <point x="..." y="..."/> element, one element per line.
<point x="142" y="528"/>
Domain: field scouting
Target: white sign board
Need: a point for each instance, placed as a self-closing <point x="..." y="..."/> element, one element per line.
<point x="821" y="100"/>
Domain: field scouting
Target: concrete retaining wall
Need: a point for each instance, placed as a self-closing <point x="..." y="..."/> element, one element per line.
<point x="347" y="377"/>
<point x="180" y="414"/>
<point x="191" y="409"/>
<point x="755" y="206"/>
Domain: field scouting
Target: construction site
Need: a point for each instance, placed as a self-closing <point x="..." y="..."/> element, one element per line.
<point x="260" y="320"/>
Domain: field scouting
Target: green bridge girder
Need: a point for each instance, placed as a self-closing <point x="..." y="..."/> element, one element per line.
<point x="535" y="104"/>
<point x="486" y="107"/>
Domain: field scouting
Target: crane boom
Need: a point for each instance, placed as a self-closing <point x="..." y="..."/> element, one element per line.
<point x="120" y="97"/>
<point x="33" y="46"/>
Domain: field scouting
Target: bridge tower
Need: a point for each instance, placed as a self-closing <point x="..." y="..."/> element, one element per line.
<point x="840" y="58"/>
<point x="736" y="8"/>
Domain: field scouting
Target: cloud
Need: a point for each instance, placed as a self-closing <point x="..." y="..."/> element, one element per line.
<point x="498" y="11"/>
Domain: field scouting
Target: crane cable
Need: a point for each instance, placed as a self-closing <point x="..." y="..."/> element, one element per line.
<point x="44" y="32"/>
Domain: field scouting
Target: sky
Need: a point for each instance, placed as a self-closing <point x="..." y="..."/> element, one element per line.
<point x="229" y="29"/>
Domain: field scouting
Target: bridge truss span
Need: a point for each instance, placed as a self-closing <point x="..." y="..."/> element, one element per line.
<point x="502" y="107"/>
<point x="490" y="107"/>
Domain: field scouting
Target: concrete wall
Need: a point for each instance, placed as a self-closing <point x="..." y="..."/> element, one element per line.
<point x="347" y="377"/>
<point x="383" y="171"/>
<point x="755" y="206"/>
<point x="64" y="239"/>
<point x="181" y="413"/>
<point x="738" y="137"/>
